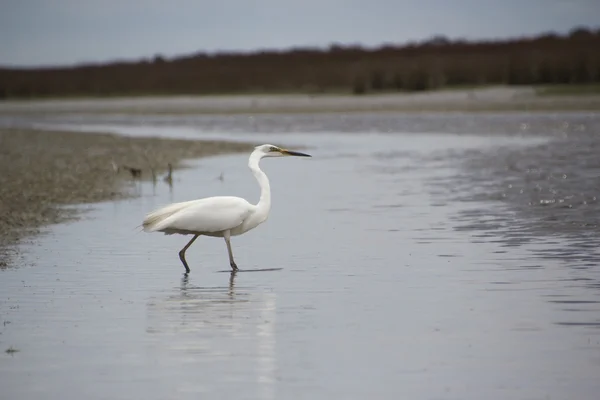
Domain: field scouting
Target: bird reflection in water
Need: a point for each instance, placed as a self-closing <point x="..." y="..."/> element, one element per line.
<point x="205" y="327"/>
<point x="185" y="280"/>
<point x="190" y="309"/>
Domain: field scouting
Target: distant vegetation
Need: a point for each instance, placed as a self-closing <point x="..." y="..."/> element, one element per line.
<point x="548" y="59"/>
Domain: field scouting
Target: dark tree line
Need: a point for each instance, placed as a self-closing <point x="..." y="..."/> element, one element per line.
<point x="436" y="63"/>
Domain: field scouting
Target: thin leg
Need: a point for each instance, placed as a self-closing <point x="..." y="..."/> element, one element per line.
<point x="182" y="253"/>
<point x="231" y="260"/>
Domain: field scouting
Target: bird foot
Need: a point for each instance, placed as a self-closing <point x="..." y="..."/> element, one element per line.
<point x="234" y="267"/>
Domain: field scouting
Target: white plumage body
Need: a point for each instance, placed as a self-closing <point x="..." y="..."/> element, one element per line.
<point x="212" y="216"/>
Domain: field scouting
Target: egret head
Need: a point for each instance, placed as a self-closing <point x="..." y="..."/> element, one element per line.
<point x="269" y="150"/>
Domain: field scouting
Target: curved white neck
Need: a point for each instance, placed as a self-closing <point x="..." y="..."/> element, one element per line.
<point x="264" y="203"/>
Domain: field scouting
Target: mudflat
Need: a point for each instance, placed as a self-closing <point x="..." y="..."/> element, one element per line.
<point x="40" y="171"/>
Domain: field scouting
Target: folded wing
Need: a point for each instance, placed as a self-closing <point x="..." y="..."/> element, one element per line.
<point x="213" y="214"/>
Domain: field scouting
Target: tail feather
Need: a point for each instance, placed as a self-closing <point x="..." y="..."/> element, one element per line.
<point x="155" y="217"/>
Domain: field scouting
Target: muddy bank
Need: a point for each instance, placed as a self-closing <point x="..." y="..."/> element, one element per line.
<point x="43" y="170"/>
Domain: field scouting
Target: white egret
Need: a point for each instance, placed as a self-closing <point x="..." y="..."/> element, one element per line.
<point x="220" y="216"/>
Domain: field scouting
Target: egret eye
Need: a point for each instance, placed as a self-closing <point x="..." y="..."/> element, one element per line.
<point x="273" y="148"/>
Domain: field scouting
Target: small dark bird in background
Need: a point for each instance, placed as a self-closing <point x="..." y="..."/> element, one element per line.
<point x="135" y="172"/>
<point x="169" y="177"/>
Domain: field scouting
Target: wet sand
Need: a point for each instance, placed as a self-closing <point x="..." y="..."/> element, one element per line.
<point x="44" y="170"/>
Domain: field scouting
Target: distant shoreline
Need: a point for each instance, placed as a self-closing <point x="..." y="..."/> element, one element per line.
<point x="481" y="99"/>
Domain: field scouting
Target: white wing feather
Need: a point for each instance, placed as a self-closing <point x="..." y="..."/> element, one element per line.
<point x="164" y="212"/>
<point x="213" y="214"/>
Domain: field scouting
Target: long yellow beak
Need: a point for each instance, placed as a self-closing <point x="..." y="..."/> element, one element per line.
<point x="294" y="153"/>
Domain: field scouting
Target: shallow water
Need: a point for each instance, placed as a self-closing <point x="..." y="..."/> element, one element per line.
<point x="405" y="265"/>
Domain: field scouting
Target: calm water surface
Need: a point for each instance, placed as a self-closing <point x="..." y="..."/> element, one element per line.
<point x="420" y="257"/>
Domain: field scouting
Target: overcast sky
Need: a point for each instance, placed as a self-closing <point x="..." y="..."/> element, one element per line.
<point x="52" y="32"/>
